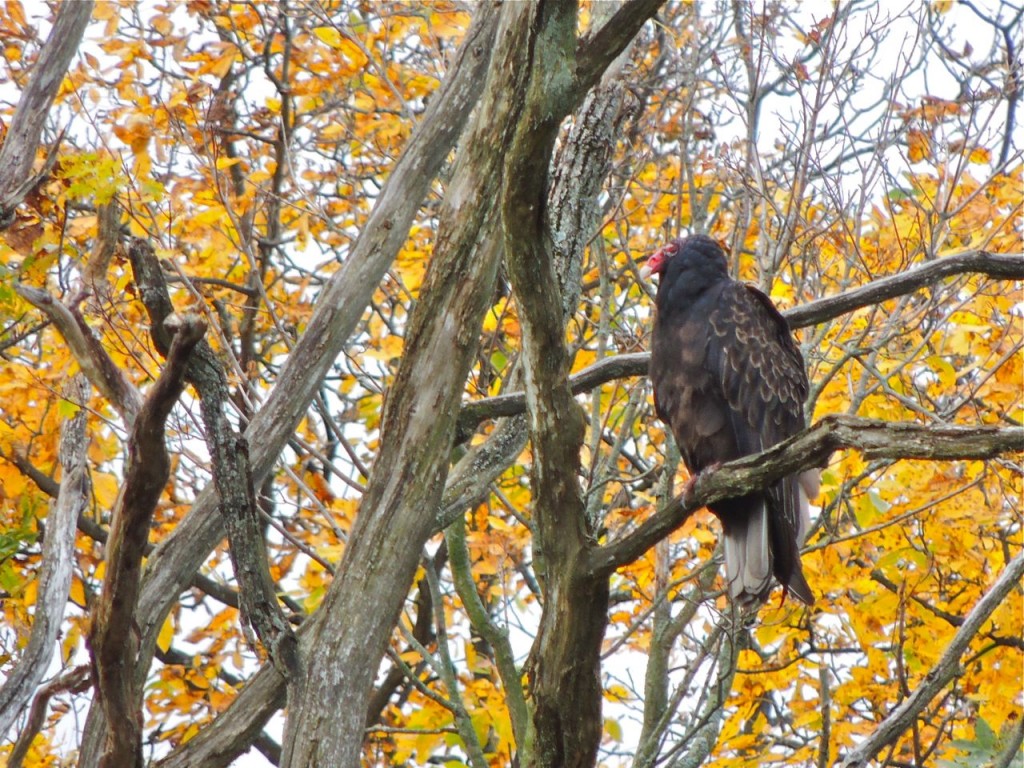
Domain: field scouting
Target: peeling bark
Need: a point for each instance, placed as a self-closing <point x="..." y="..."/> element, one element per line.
<point x="417" y="434"/>
<point x="564" y="665"/>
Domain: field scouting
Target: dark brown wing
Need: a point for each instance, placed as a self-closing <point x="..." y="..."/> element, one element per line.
<point x="763" y="378"/>
<point x="759" y="367"/>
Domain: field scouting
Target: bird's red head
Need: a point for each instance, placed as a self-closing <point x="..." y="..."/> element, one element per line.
<point x="659" y="259"/>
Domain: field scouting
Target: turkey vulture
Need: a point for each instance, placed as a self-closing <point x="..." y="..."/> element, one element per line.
<point x="730" y="381"/>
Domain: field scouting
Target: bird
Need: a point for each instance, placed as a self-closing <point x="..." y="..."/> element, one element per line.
<point x="729" y="381"/>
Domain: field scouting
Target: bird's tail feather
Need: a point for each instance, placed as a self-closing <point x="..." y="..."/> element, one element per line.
<point x="748" y="560"/>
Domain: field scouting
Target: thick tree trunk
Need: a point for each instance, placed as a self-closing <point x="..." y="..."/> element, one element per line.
<point x="564" y="668"/>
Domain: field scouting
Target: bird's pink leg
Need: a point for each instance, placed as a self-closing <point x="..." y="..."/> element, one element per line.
<point x="691" y="485"/>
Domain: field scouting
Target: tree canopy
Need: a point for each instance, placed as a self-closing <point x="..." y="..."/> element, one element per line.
<point x="326" y="438"/>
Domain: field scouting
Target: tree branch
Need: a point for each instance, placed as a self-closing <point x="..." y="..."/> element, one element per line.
<point x="997" y="266"/>
<point x="232" y="472"/>
<point x="18" y="153"/>
<point x="338" y="312"/>
<point x="103" y="372"/>
<point x="947" y="668"/>
<point x="417" y="432"/>
<point x="598" y="50"/>
<point x="75" y="681"/>
<point x="112" y="643"/>
<point x="57" y="561"/>
<point x="811" y="448"/>
<point x="565" y="657"/>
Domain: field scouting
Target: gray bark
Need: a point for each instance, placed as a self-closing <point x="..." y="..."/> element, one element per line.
<point x="417" y="433"/>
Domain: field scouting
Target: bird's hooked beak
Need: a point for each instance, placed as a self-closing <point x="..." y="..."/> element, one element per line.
<point x="655" y="263"/>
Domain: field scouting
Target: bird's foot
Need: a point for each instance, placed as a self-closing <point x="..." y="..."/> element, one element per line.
<point x="691" y="485"/>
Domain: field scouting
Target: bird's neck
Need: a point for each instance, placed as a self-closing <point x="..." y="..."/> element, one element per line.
<point x="690" y="288"/>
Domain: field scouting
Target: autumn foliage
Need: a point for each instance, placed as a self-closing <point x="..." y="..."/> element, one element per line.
<point x="249" y="146"/>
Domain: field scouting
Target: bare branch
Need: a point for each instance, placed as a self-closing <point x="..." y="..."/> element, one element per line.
<point x="113" y="646"/>
<point x="417" y="433"/>
<point x="75" y="681"/>
<point x="998" y="266"/>
<point x="337" y="313"/>
<point x="565" y="656"/>
<point x="232" y="471"/>
<point x="596" y="52"/>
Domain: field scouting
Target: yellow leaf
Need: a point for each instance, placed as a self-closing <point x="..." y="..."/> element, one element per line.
<point x="105" y="487"/>
<point x="329" y="35"/>
<point x="616" y="692"/>
<point x="163" y="640"/>
<point x="16" y="13"/>
<point x="980" y="156"/>
<point x="31" y="590"/>
<point x="222" y="64"/>
<point x="77" y="592"/>
<point x="613" y="728"/>
<point x="918" y="145"/>
<point x="162" y="24"/>
<point x="349" y="49"/>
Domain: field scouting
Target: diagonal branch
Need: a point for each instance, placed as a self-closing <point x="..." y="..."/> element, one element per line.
<point x="811" y="448"/>
<point x="338" y="311"/>
<point x="96" y="364"/>
<point x="597" y="51"/>
<point x="994" y="265"/>
<point x="232" y="470"/>
<point x="113" y="644"/>
<point x="947" y="668"/>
